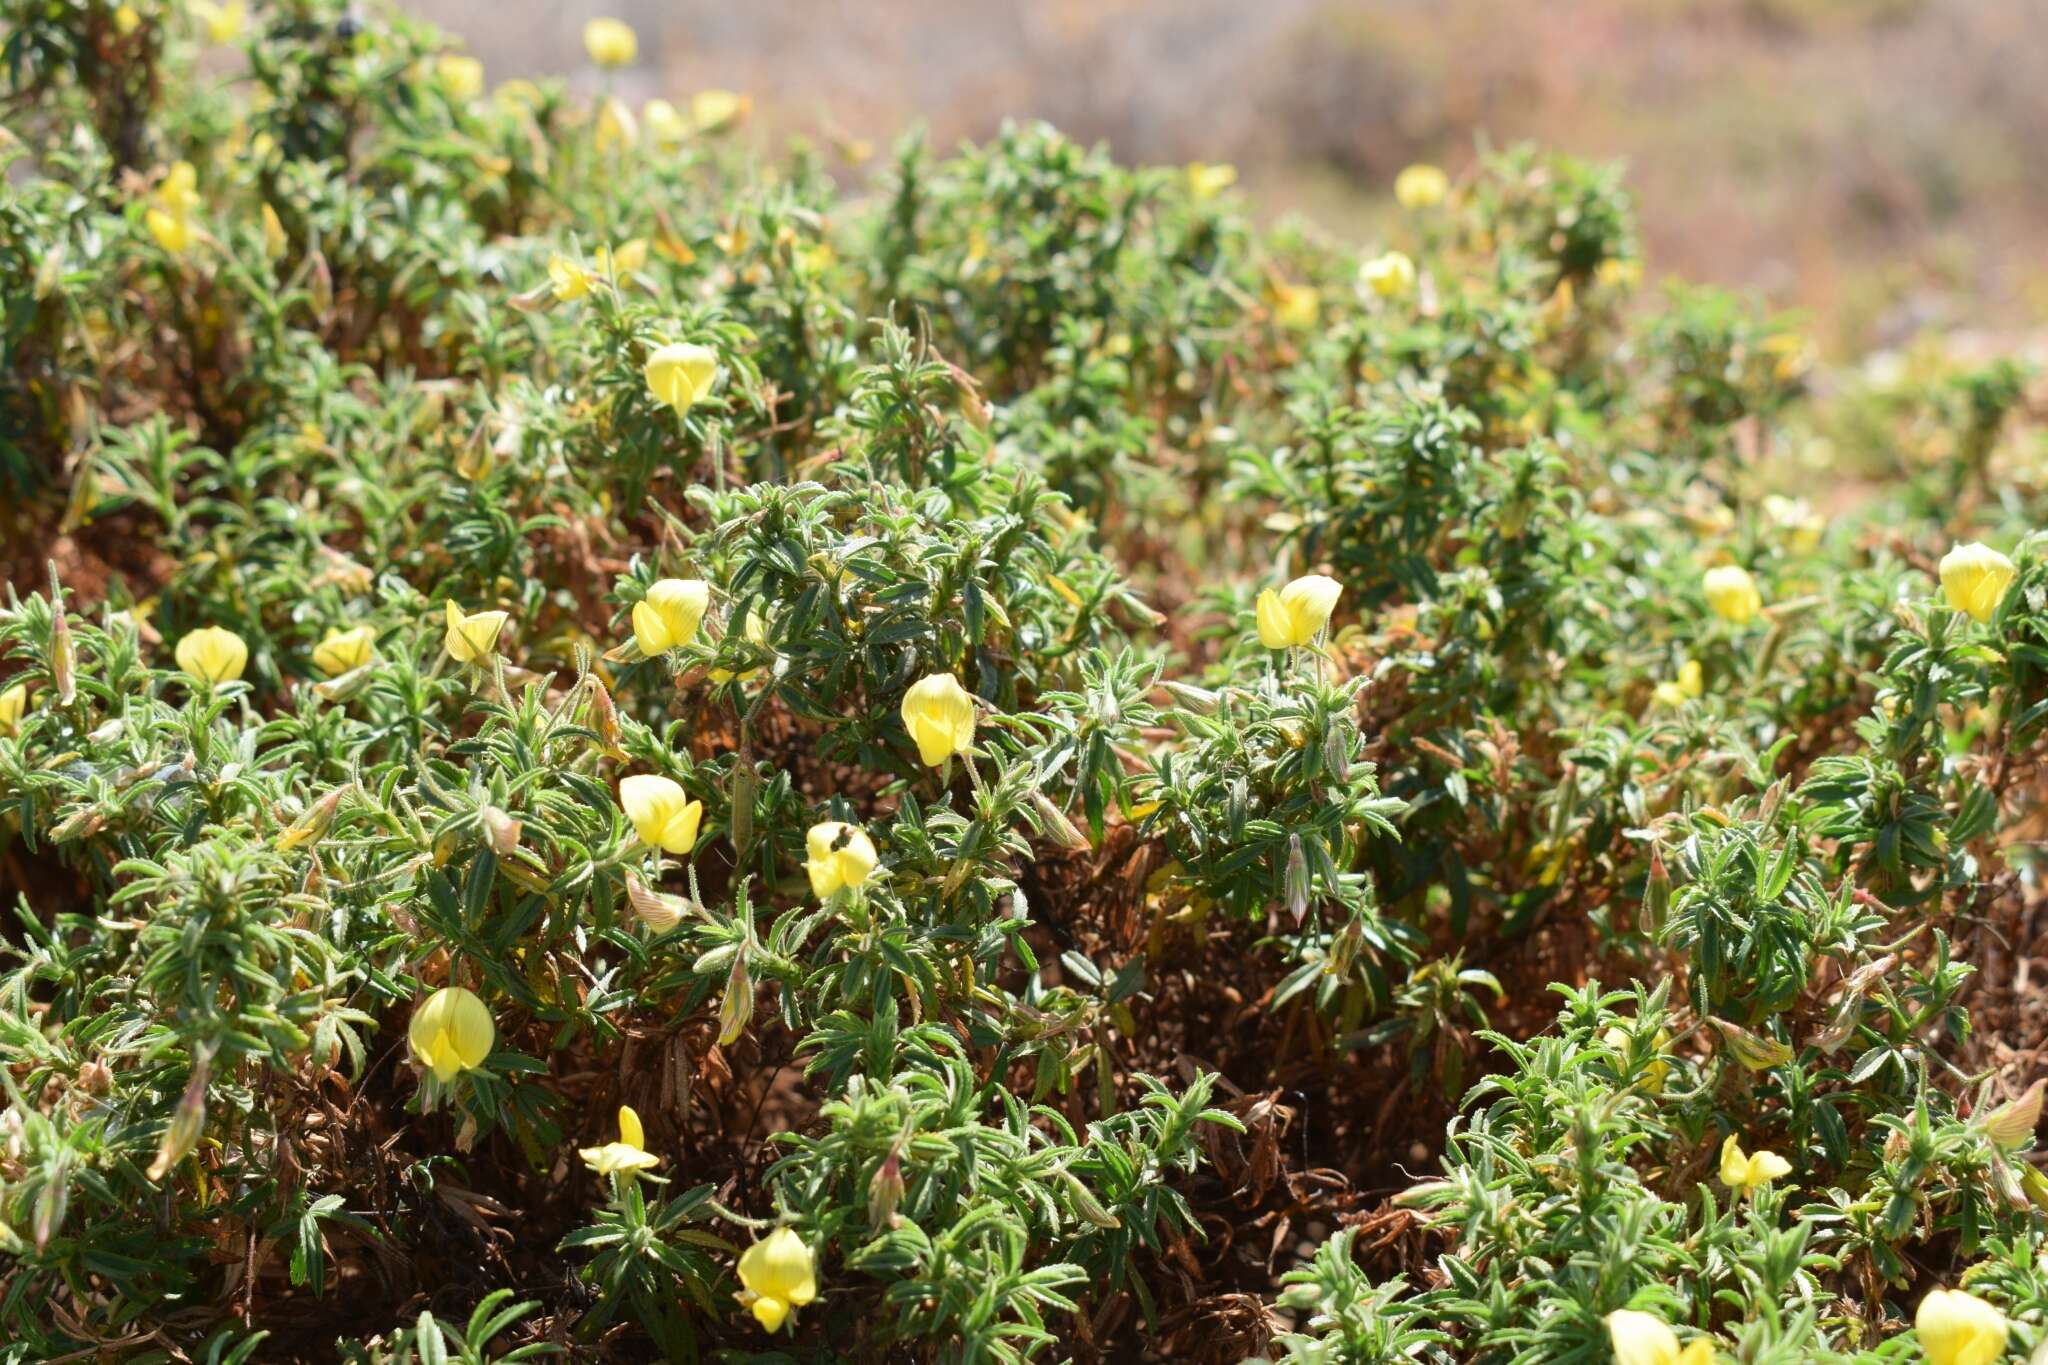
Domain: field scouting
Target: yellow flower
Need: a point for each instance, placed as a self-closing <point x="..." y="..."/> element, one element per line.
<point x="275" y="243"/>
<point x="1206" y="181"/>
<point x="179" y="192"/>
<point x="664" y="124"/>
<point x="223" y="23"/>
<point x="172" y="233"/>
<point x="711" y="110"/>
<point x="1689" y="683"/>
<point x="1389" y="275"/>
<point x="841" y="855"/>
<point x="610" y="42"/>
<point x="567" y="280"/>
<point x="1958" y="1328"/>
<point x="629" y="256"/>
<point x="1293" y="615"/>
<point x="473" y="635"/>
<point x="680" y="373"/>
<point x="1643" y="1339"/>
<point x="780" y="1276"/>
<point x="213" y="655"/>
<point x="13" y="706"/>
<point x="1732" y="594"/>
<point x="616" y="126"/>
<point x="1296" y="305"/>
<point x="169" y="219"/>
<point x="1421" y="187"/>
<point x="1802" y="525"/>
<point x="451" y="1032"/>
<point x="1974" y="577"/>
<point x="670" y="614"/>
<point x="1620" y="273"/>
<point x="755" y="632"/>
<point x="1657" y="1069"/>
<point x="662" y="814"/>
<point x="939" y="715"/>
<point x="462" y="77"/>
<point x="1749" y="1171"/>
<point x="343" y="651"/>
<point x="126" y="20"/>
<point x="629" y="1154"/>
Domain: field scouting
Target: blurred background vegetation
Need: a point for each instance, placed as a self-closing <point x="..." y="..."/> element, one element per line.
<point x="1878" y="162"/>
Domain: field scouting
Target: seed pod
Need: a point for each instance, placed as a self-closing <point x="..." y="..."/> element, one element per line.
<point x="604" y="718"/>
<point x="658" y="912"/>
<point x="1199" y="700"/>
<point x="1656" y="892"/>
<point x="501" y="831"/>
<point x="1754" y="1051"/>
<point x="738" y="1008"/>
<point x="63" y="656"/>
<point x="1056" y="822"/>
<point x="885" y="1192"/>
<point x="745" y="783"/>
<point x="1086" y="1205"/>
<point x="1297" y="878"/>
<point x="311" y="827"/>
<point x="2012" y="1124"/>
<point x="1337" y="753"/>
<point x="186" y="1123"/>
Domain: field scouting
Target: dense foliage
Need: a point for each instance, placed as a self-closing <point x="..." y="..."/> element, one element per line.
<point x="618" y="746"/>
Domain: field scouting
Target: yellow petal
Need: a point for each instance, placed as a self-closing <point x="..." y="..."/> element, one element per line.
<point x="670" y="614"/>
<point x="661" y="812"/>
<point x="1389" y="275"/>
<point x="1421" y="187"/>
<point x="1974" y="578"/>
<point x="173" y="232"/>
<point x="13" y="706"/>
<point x="1276" y="630"/>
<point x="610" y="42"/>
<point x="841" y="855"/>
<point x="213" y="655"/>
<point x="452" y="1031"/>
<point x="473" y="635"/>
<point x="1765" y="1167"/>
<point x="782" y="1272"/>
<point x="1641" y="1338"/>
<point x="939" y="714"/>
<point x="1309" y="600"/>
<point x="630" y="1131"/>
<point x="681" y="373"/>
<point x="342" y="651"/>
<point x="1732" y="594"/>
<point x="1734" y="1164"/>
<point x="1958" y="1328"/>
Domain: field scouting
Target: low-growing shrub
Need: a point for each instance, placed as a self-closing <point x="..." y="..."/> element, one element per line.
<point x="621" y="744"/>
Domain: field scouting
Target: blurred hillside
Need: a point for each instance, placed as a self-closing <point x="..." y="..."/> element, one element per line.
<point x="1877" y="161"/>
